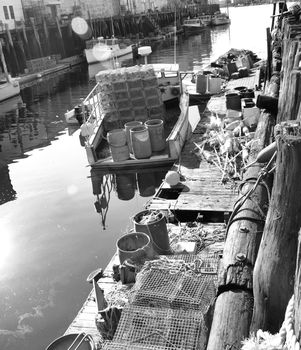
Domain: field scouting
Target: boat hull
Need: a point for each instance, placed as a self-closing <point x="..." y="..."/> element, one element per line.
<point x="190" y="30"/>
<point x="100" y="54"/>
<point x="8" y="90"/>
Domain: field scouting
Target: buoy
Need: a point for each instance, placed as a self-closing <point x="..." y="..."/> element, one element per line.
<point x="265" y="154"/>
<point x="172" y="178"/>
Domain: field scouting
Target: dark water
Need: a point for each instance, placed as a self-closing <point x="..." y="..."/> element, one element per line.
<point x="56" y="223"/>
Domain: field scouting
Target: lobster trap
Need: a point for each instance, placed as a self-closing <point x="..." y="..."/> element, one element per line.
<point x="153" y="328"/>
<point x="186" y="282"/>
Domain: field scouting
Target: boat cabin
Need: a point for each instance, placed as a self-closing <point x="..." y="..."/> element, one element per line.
<point x="168" y="77"/>
<point x="194" y="22"/>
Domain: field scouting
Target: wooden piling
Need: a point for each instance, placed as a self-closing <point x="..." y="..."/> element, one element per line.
<point x="244" y="233"/>
<point x="61" y="36"/>
<point x="36" y="35"/>
<point x="12" y="48"/>
<point x="297" y="291"/>
<point x="276" y="261"/>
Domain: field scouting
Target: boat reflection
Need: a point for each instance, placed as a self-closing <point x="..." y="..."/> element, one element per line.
<point x="126" y="185"/>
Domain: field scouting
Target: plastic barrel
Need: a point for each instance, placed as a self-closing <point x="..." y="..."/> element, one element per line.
<point x="215" y="84"/>
<point x="233" y="101"/>
<point x="156" y="133"/>
<point x="135" y="245"/>
<point x="127" y="127"/>
<point x="157" y="230"/>
<point x="116" y="137"/>
<point x="140" y="142"/>
<point x="267" y="102"/>
<point x="120" y="153"/>
<point x="125" y="186"/>
<point x="201" y="84"/>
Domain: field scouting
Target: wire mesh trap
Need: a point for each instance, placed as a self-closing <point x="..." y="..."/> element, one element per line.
<point x="154" y="328"/>
<point x="174" y="283"/>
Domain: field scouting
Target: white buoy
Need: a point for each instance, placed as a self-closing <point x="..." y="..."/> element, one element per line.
<point x="172" y="178"/>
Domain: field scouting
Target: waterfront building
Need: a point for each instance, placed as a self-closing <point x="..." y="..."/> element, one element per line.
<point x="11" y="12"/>
<point x="83" y="8"/>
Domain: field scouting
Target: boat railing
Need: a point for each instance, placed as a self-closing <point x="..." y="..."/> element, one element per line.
<point x="92" y="103"/>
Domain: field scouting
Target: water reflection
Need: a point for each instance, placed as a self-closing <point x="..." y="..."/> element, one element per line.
<point x="7" y="192"/>
<point x="126" y="185"/>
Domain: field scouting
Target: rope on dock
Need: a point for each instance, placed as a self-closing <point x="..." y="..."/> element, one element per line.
<point x="284" y="340"/>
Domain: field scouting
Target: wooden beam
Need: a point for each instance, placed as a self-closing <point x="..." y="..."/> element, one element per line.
<point x="275" y="264"/>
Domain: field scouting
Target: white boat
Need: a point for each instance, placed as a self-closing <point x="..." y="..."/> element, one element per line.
<point x="220" y="18"/>
<point x="206" y="19"/>
<point x="100" y="49"/>
<point x="193" y="25"/>
<point x="168" y="76"/>
<point x="9" y="88"/>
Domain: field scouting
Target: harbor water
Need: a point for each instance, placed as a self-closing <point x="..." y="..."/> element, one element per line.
<point x="59" y="221"/>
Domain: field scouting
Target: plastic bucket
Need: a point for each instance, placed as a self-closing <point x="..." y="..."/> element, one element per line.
<point x="215" y="84"/>
<point x="201" y="84"/>
<point x="157" y="231"/>
<point x="135" y="245"/>
<point x="73" y="341"/>
<point x="267" y="102"/>
<point x="125" y="186"/>
<point x="120" y="153"/>
<point x="141" y="142"/>
<point x="155" y="128"/>
<point x="127" y="127"/>
<point x="233" y="101"/>
<point x="116" y="137"/>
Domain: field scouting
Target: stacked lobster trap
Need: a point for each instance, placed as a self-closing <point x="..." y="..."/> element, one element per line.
<point x="169" y="304"/>
<point x="128" y="94"/>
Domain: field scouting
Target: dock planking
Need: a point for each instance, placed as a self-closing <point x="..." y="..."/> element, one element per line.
<point x="201" y="188"/>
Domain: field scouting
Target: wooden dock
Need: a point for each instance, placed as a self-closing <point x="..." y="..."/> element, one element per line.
<point x="200" y="190"/>
<point x="213" y="235"/>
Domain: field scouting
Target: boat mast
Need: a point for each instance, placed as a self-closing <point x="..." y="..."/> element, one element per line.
<point x="112" y="23"/>
<point x="2" y="59"/>
<point x="175" y="37"/>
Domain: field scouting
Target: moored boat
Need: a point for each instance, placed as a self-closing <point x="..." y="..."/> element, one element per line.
<point x="206" y="19"/>
<point x="9" y="87"/>
<point x="220" y="18"/>
<point x="100" y="49"/>
<point x="193" y="25"/>
<point x="132" y="95"/>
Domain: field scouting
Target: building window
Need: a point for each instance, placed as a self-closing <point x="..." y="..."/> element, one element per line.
<point x="5" y="12"/>
<point x="11" y="10"/>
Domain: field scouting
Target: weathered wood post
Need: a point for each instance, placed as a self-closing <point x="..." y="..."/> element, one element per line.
<point x="36" y="35"/>
<point x="234" y="304"/>
<point x="276" y="261"/>
<point x="297" y="292"/>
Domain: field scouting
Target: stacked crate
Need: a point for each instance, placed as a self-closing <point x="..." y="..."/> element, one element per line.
<point x="129" y="94"/>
